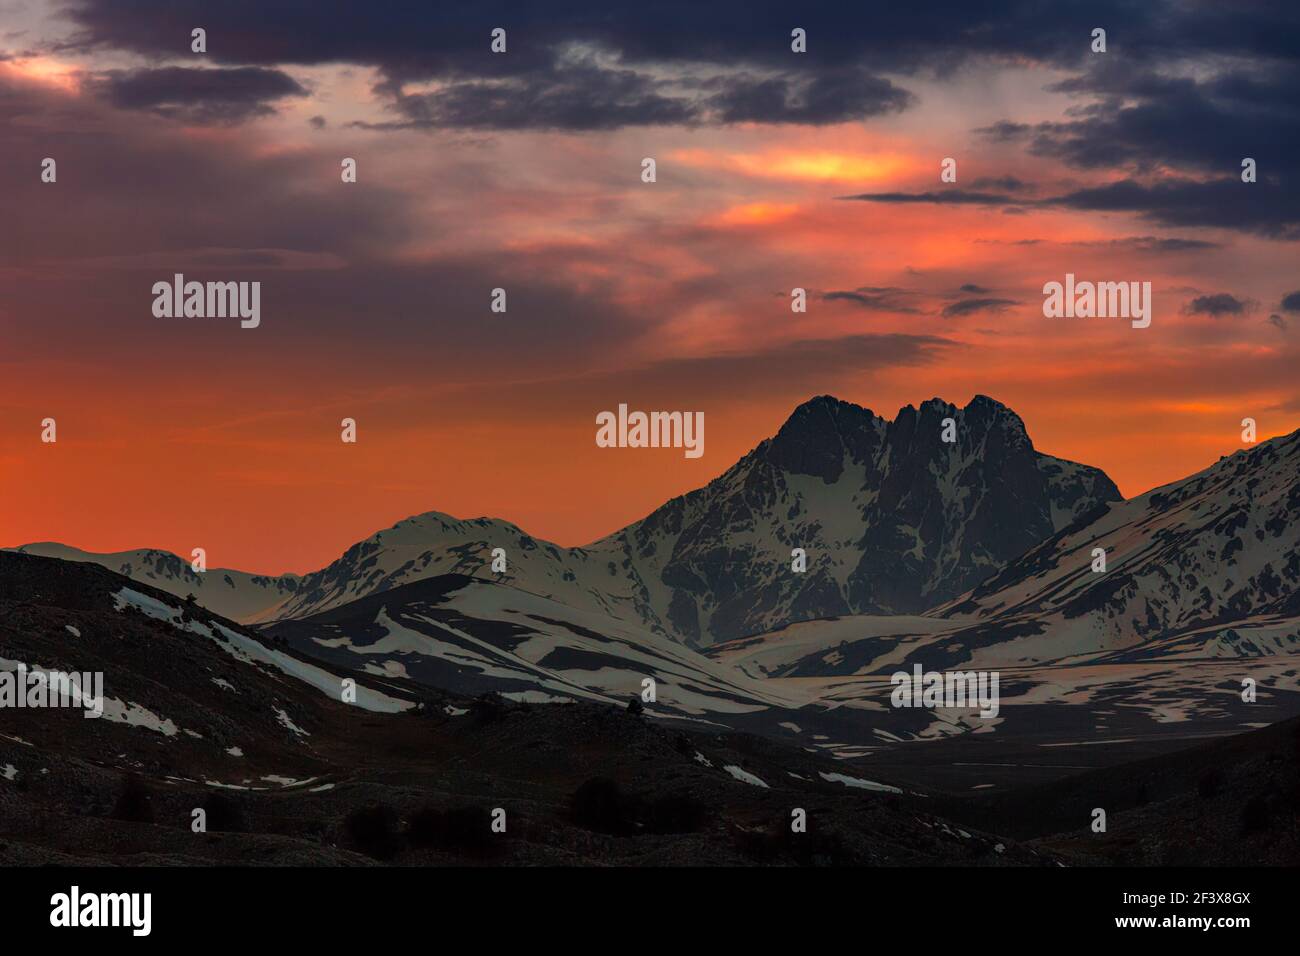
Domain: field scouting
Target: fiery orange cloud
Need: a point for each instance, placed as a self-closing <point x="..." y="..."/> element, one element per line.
<point x="757" y="214"/>
<point x="810" y="165"/>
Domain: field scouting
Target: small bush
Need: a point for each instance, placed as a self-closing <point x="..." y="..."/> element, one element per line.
<point x="635" y="707"/>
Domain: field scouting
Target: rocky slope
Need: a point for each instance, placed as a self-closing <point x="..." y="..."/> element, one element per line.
<point x="1204" y="567"/>
<point x="237" y="595"/>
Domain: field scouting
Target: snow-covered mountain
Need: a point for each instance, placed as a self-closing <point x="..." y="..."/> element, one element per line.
<point x="1204" y="567"/>
<point x="434" y="544"/>
<point x="472" y="636"/>
<point x="237" y="595"/>
<point x="891" y="517"/>
<point x="892" y="520"/>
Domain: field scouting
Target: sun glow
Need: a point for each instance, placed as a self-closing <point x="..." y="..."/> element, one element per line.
<point x="47" y="70"/>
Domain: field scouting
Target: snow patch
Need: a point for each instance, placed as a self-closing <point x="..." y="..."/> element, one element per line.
<point x="289" y="724"/>
<point x="858" y="782"/>
<point x="744" y="776"/>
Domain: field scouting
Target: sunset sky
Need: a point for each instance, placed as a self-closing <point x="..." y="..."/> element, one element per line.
<point x="522" y="170"/>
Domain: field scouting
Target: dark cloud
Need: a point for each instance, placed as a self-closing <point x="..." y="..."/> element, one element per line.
<point x="1133" y="243"/>
<point x="834" y="96"/>
<point x="1164" y="244"/>
<point x="1217" y="305"/>
<point x="1278" y="321"/>
<point x="1150" y="116"/>
<point x="1005" y="184"/>
<point x="198" y="95"/>
<point x="413" y="38"/>
<point x="1291" y="302"/>
<point x="581" y="94"/>
<point x="738" y="48"/>
<point x="875" y="299"/>
<point x="1004" y="131"/>
<point x="1145" y="119"/>
<point x="1263" y="208"/>
<point x="972" y="306"/>
<point x="972" y="289"/>
<point x="944" y="197"/>
<point x="574" y="95"/>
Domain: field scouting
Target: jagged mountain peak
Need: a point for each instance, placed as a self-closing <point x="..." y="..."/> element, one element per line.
<point x="975" y="419"/>
<point x="840" y="511"/>
<point x="828" y="405"/>
<point x="889" y="514"/>
<point x="825" y="434"/>
<point x="822" y="435"/>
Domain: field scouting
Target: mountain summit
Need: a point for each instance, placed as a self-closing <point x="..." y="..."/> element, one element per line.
<point x="891" y="518"/>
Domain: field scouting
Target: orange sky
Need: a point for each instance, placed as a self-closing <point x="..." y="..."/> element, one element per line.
<point x="674" y="295"/>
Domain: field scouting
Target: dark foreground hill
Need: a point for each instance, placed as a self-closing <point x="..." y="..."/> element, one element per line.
<point x="1231" y="802"/>
<point x="203" y="715"/>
